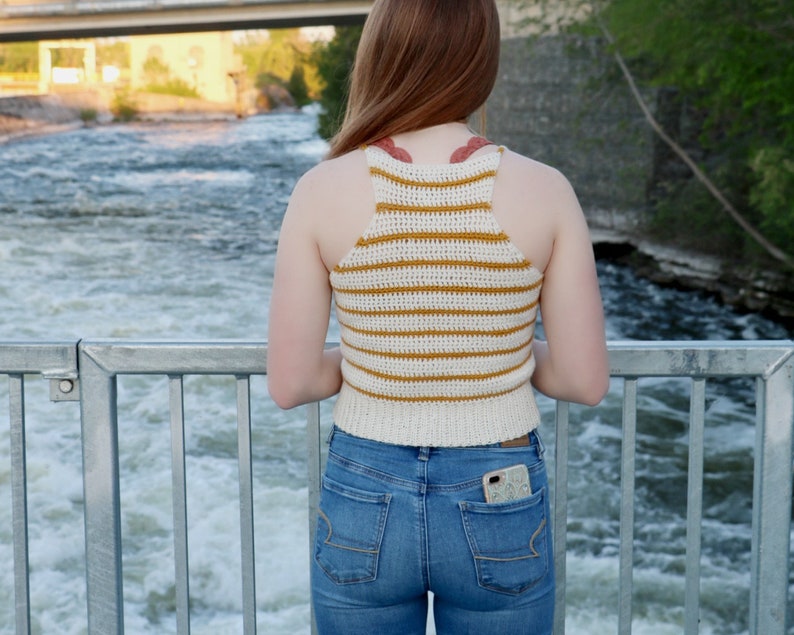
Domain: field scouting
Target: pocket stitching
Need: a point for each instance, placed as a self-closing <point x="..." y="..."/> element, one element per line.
<point x="531" y="556"/>
<point x="383" y="502"/>
<point x="330" y="533"/>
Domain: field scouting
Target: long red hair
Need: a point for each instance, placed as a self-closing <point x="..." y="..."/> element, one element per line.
<point x="419" y="63"/>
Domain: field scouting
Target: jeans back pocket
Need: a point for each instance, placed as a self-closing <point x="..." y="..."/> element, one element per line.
<point x="350" y="528"/>
<point x="509" y="542"/>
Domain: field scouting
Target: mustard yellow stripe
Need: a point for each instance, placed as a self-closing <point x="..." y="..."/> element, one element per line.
<point x="439" y="332"/>
<point x="421" y="379"/>
<point x="427" y="262"/>
<point x="440" y="209"/>
<point x="472" y="236"/>
<point x="434" y="398"/>
<point x="496" y="352"/>
<point x="462" y="312"/>
<point x="440" y="288"/>
<point x="403" y="181"/>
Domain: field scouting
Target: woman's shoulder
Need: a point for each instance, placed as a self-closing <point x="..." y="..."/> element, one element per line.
<point x="332" y="172"/>
<point x="331" y="185"/>
<point x="532" y="180"/>
<point x="529" y="171"/>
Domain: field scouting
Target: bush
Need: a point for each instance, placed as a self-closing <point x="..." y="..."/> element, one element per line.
<point x="174" y="86"/>
<point x="773" y="193"/>
<point x="88" y="115"/>
<point x="123" y="106"/>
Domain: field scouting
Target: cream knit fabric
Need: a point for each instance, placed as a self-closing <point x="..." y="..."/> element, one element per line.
<point x="437" y="312"/>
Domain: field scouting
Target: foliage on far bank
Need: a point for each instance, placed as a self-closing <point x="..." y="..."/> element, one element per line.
<point x="160" y="80"/>
<point x="123" y="107"/>
<point x="334" y="61"/>
<point x="282" y="57"/>
<point x="19" y="57"/>
<point x="732" y="67"/>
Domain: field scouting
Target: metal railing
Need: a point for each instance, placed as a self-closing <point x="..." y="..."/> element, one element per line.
<point x="87" y="372"/>
<point x="19" y="8"/>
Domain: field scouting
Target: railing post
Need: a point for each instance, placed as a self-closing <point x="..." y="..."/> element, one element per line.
<point x="694" y="505"/>
<point x="314" y="464"/>
<point x="102" y="501"/>
<point x="19" y="504"/>
<point x="560" y="512"/>
<point x="176" y="408"/>
<point x="627" y="476"/>
<point x="772" y="490"/>
<point x="244" y="458"/>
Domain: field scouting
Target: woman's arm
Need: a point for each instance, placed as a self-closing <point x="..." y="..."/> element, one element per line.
<point x="299" y="368"/>
<point x="572" y="363"/>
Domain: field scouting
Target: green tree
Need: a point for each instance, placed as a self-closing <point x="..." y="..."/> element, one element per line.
<point x="159" y="80"/>
<point x="297" y="86"/>
<point x="282" y="55"/>
<point x="734" y="60"/>
<point x="19" y="57"/>
<point x="334" y="61"/>
<point x="68" y="57"/>
<point x="732" y="63"/>
<point x="113" y="52"/>
<point x="155" y="71"/>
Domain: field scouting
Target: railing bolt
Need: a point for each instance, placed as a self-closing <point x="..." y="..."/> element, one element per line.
<point x="62" y="389"/>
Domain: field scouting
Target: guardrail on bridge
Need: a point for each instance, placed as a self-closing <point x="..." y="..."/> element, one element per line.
<point x="32" y="20"/>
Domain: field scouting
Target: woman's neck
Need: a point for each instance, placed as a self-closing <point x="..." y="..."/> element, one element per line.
<point x="434" y="143"/>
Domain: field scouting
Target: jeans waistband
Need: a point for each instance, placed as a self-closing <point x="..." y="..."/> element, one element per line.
<point x="531" y="438"/>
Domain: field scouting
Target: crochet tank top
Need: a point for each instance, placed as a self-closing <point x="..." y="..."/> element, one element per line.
<point x="436" y="308"/>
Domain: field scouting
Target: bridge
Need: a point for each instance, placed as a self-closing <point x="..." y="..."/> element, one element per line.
<point x="31" y="20"/>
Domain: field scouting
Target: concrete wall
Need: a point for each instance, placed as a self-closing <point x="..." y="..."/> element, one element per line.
<point x="548" y="104"/>
<point x="202" y="60"/>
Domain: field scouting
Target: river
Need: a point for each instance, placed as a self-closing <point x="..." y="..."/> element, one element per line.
<point x="168" y="231"/>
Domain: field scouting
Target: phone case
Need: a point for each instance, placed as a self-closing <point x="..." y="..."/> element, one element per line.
<point x="506" y="484"/>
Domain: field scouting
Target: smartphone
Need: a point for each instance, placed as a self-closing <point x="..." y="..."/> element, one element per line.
<point x="506" y="484"/>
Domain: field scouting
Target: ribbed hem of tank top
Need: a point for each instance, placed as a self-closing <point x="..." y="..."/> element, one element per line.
<point x="453" y="424"/>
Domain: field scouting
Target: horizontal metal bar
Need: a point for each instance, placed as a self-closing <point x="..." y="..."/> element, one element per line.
<point x="698" y="359"/>
<point x="627" y="359"/>
<point x="55" y="359"/>
<point x="228" y="357"/>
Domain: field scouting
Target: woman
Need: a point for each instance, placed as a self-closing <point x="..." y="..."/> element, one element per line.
<point x="438" y="249"/>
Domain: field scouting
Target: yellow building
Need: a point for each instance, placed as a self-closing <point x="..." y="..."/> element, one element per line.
<point x="202" y="61"/>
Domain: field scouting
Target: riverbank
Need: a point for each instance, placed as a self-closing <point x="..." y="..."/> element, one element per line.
<point x="765" y="289"/>
<point x="26" y="115"/>
<point x="31" y="115"/>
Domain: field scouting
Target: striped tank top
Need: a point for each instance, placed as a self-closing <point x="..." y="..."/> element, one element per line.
<point x="436" y="308"/>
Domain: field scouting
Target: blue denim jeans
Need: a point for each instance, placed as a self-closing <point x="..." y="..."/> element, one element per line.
<point x="396" y="522"/>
